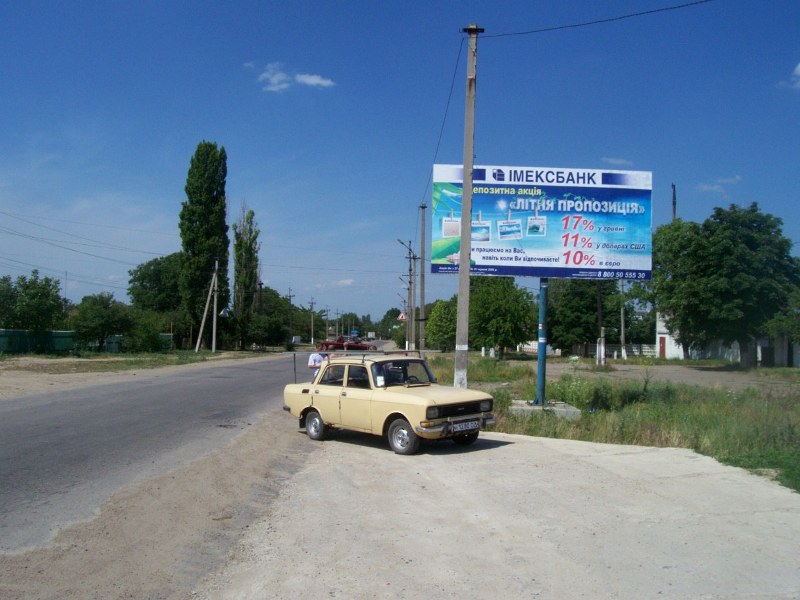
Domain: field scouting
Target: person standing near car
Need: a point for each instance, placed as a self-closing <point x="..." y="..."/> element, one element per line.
<point x="315" y="360"/>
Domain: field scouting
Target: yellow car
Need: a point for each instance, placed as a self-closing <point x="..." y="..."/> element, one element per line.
<point x="389" y="395"/>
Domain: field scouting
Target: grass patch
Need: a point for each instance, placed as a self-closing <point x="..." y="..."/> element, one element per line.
<point x="754" y="429"/>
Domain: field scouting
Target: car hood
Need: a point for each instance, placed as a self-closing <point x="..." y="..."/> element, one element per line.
<point x="437" y="394"/>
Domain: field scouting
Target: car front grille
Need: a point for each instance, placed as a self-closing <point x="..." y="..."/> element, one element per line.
<point x="458" y="410"/>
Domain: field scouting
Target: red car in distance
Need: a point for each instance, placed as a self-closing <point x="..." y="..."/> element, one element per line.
<point x="346" y="343"/>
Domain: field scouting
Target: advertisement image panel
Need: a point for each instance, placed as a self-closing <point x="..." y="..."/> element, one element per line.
<point x="545" y="222"/>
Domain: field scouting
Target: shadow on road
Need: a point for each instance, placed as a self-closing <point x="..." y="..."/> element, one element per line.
<point x="434" y="447"/>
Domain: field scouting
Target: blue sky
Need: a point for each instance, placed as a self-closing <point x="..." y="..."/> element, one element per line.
<point x="331" y="115"/>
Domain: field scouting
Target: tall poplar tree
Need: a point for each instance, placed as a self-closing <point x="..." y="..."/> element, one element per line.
<point x="245" y="270"/>
<point x="204" y="230"/>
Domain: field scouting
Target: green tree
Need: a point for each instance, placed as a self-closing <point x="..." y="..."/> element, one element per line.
<point x="578" y="308"/>
<point x="440" y="329"/>
<point x="501" y="314"/>
<point x="204" y="230"/>
<point x="388" y="323"/>
<point x="245" y="270"/>
<point x="640" y="314"/>
<point x="724" y="279"/>
<point x="31" y="303"/>
<point x="8" y="303"/>
<point x="270" y="326"/>
<point x="145" y="331"/>
<point x="99" y="316"/>
<point x="787" y="322"/>
<point x="154" y="285"/>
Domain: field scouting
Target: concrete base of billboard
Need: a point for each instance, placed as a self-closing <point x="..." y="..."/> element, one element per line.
<point x="561" y="410"/>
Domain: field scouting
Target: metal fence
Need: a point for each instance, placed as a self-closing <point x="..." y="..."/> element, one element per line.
<point x="20" y="341"/>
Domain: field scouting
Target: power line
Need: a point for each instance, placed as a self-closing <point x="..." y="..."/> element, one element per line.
<point x="78" y="277"/>
<point x="97" y="225"/>
<point x="92" y="243"/>
<point x="600" y="21"/>
<point x="62" y="247"/>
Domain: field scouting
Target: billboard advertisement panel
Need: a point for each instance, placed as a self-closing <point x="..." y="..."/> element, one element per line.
<point x="545" y="222"/>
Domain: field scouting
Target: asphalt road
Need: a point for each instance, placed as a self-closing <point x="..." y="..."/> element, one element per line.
<point x="62" y="454"/>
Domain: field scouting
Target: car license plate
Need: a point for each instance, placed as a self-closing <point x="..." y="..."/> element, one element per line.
<point x="466" y="426"/>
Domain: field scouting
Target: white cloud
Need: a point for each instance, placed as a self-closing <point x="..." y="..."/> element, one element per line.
<point x="617" y="162"/>
<point x="313" y="80"/>
<point x="276" y="79"/>
<point x="794" y="79"/>
<point x="341" y="283"/>
<point x="713" y="188"/>
<point x="719" y="185"/>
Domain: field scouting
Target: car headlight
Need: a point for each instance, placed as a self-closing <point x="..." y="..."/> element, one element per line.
<point x="432" y="412"/>
<point x="486" y="405"/>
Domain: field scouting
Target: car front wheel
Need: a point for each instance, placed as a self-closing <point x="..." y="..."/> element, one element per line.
<point x="402" y="438"/>
<point x="315" y="426"/>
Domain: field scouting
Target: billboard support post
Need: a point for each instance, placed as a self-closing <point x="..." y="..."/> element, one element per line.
<point x="541" y="347"/>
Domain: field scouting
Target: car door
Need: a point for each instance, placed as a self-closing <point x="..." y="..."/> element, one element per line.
<point x="356" y="399"/>
<point x="327" y="393"/>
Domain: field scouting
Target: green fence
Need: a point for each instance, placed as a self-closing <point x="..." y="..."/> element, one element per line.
<point x="20" y="341"/>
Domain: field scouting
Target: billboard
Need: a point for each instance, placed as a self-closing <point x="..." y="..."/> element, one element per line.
<point x="545" y="222"/>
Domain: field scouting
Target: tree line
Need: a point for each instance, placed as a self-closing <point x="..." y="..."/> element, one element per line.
<point x="731" y="278"/>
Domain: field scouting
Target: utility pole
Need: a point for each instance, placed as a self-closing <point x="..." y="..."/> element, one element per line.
<point x="462" y="317"/>
<point x="212" y="291"/>
<point x="290" y="296"/>
<point x="214" y="321"/>
<point x="403" y="303"/>
<point x="422" y="267"/>
<point x="674" y="203"/>
<point x="412" y="276"/>
<point x="406" y="300"/>
<point x="312" y="320"/>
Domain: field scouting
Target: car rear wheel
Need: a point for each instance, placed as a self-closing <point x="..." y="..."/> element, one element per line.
<point x="402" y="438"/>
<point x="466" y="439"/>
<point x="315" y="426"/>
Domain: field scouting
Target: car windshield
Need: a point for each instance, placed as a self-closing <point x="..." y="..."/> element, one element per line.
<point x="402" y="372"/>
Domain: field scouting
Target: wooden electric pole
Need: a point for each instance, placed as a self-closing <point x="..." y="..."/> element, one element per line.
<point x="462" y="317"/>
